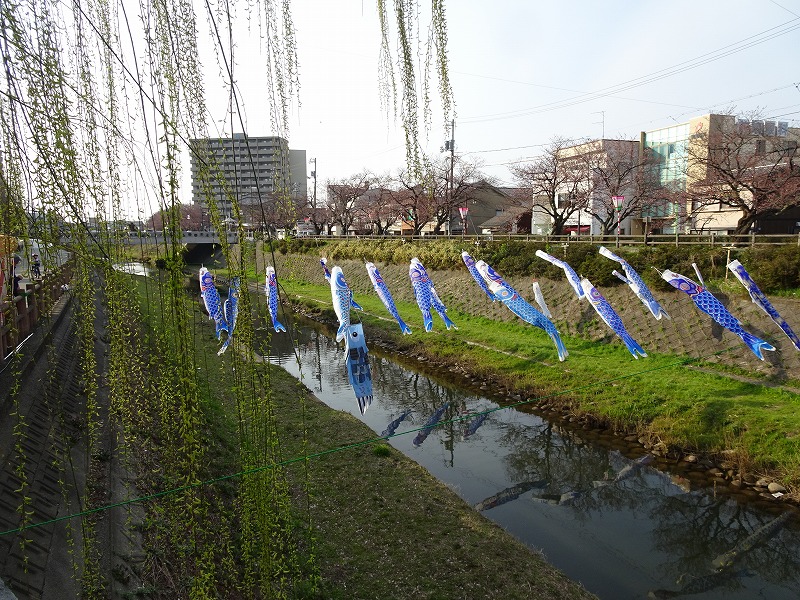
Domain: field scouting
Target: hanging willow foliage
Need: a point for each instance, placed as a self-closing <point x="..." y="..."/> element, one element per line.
<point x="93" y="118"/>
<point x="406" y="21"/>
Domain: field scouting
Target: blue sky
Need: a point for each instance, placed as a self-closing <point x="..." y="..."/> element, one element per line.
<point x="524" y="72"/>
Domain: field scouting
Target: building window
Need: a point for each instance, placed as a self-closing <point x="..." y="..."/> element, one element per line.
<point x="761" y="147"/>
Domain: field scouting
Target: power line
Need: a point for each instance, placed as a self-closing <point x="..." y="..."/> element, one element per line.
<point x="687" y="65"/>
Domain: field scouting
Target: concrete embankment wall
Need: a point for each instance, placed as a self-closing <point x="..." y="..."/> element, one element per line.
<point x="689" y="333"/>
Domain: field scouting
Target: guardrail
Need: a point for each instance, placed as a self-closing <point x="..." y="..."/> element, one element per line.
<point x="19" y="315"/>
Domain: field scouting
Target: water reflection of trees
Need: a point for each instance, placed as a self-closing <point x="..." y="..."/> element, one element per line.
<point x="704" y="527"/>
<point x="690" y="529"/>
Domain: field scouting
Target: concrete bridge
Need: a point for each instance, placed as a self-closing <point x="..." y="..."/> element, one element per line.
<point x="189" y="237"/>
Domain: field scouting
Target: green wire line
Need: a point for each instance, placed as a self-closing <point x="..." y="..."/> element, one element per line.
<point x="366" y="442"/>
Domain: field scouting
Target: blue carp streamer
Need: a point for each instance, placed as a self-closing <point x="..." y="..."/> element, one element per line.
<point x="341" y="295"/>
<point x="231" y="310"/>
<point x="271" y="288"/>
<point x="758" y="298"/>
<point x="705" y="301"/>
<point x="358" y="369"/>
<point x="324" y="263"/>
<point x="470" y="262"/>
<point x="636" y="284"/>
<point x="426" y="295"/>
<point x="212" y="301"/>
<point x="385" y="295"/>
<point x="516" y="304"/>
<point x="610" y="317"/>
<point x="572" y="276"/>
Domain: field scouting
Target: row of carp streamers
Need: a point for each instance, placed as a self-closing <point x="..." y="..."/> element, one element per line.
<point x="223" y="315"/>
<point x="495" y="288"/>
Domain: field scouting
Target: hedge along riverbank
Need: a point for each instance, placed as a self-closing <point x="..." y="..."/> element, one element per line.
<point x="663" y="397"/>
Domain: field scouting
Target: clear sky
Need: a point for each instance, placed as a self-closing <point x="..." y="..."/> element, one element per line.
<point x="526" y="71"/>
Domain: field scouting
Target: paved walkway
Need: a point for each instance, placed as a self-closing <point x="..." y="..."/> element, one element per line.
<point x="39" y="395"/>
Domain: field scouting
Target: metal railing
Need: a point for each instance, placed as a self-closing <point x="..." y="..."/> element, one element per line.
<point x="701" y="239"/>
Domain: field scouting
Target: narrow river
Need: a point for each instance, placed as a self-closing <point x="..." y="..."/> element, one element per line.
<point x="622" y="532"/>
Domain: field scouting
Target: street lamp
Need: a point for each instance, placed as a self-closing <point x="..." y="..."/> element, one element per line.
<point x="618" y="200"/>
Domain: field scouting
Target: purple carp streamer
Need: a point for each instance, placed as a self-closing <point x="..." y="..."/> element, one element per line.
<point x="470" y="262"/>
<point x="386" y="297"/>
<point x="426" y="295"/>
<point x="516" y="304"/>
<point x="610" y="317"/>
<point x="705" y="301"/>
<point x="572" y="276"/>
<point x="212" y="301"/>
<point x="758" y="298"/>
<point x="636" y="284"/>
<point x="271" y="289"/>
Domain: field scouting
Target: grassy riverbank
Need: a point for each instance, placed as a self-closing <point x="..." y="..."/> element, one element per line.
<point x="382" y="526"/>
<point x="668" y="399"/>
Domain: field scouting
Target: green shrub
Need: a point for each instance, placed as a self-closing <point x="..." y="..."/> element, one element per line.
<point x="773" y="268"/>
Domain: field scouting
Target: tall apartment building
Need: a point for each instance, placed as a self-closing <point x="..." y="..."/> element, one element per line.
<point x="252" y="169"/>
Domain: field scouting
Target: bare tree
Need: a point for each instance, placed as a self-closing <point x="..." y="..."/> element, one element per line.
<point x="740" y="167"/>
<point x="415" y="196"/>
<point x="189" y="216"/>
<point x="342" y="197"/>
<point x="617" y="168"/>
<point x="317" y="216"/>
<point x="453" y="187"/>
<point x="556" y="181"/>
<point x="377" y="209"/>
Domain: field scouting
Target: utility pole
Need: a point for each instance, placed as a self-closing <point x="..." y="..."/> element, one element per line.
<point x="314" y="176"/>
<point x="450" y="145"/>
<point x="601" y="122"/>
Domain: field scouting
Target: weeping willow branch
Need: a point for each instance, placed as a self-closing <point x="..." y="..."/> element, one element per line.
<point x="407" y="16"/>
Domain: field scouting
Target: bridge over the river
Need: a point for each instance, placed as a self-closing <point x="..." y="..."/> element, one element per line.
<point x="189" y="237"/>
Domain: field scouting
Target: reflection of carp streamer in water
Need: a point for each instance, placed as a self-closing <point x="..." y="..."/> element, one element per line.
<point x="626" y="471"/>
<point x="392" y="427"/>
<point x="698" y="584"/>
<point x="510" y="493"/>
<point x="766" y="531"/>
<point x="426" y="429"/>
<point x="723" y="563"/>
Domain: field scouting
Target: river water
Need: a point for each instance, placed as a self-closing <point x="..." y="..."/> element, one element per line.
<point x="556" y="492"/>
